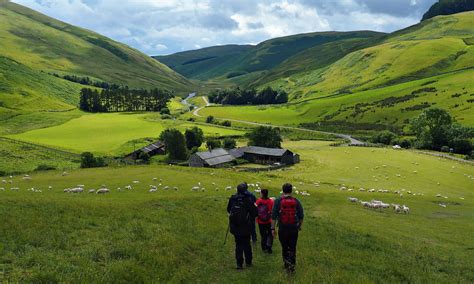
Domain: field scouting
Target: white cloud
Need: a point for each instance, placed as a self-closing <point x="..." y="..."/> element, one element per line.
<point x="158" y="26"/>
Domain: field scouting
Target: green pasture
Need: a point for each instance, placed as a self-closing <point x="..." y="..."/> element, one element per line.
<point x="177" y="236"/>
<point x="105" y="133"/>
<point x="452" y="92"/>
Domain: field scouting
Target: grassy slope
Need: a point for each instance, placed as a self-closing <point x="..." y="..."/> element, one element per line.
<point x="453" y="91"/>
<point x="177" y="236"/>
<point x="252" y="60"/>
<point x="46" y="44"/>
<point x="435" y="46"/>
<point x="107" y="133"/>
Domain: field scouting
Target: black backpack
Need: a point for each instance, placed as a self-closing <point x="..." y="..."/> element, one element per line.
<point x="239" y="212"/>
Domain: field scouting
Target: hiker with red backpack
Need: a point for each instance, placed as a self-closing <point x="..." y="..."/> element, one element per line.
<point x="264" y="220"/>
<point x="289" y="213"/>
<point x="242" y="213"/>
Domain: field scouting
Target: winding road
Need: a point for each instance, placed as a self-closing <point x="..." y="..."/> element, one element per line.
<point x="352" y="140"/>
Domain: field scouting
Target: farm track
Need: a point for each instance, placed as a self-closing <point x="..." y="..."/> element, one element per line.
<point x="352" y="140"/>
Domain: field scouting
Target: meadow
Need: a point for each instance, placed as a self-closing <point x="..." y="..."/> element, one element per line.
<point x="388" y="106"/>
<point x="106" y="133"/>
<point x="177" y="236"/>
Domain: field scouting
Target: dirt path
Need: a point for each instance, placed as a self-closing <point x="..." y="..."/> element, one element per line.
<point x="352" y="140"/>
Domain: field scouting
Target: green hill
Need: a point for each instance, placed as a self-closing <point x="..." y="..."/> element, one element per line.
<point x="229" y="62"/>
<point x="433" y="47"/>
<point x="448" y="7"/>
<point x="47" y="45"/>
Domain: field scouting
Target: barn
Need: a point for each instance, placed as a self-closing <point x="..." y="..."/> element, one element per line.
<point x="266" y="156"/>
<point x="156" y="148"/>
<point x="215" y="158"/>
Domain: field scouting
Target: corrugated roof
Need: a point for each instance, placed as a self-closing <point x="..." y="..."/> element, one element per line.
<point x="276" y="152"/>
<point x="212" y="154"/>
<point x="152" y="147"/>
<point x="220" y="160"/>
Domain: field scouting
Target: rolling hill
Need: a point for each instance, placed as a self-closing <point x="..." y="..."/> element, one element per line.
<point x="232" y="61"/>
<point x="449" y="7"/>
<point x="42" y="44"/>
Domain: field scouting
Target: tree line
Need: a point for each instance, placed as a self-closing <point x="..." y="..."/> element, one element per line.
<point x="239" y="96"/>
<point x="87" y="81"/>
<point x="123" y="99"/>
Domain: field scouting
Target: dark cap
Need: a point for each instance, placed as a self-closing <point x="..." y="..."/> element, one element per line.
<point x="287" y="188"/>
<point x="242" y="187"/>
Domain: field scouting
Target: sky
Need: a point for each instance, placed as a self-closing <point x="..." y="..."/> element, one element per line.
<point x="158" y="27"/>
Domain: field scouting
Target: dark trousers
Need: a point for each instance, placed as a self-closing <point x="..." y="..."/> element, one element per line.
<point x="266" y="235"/>
<point x="288" y="239"/>
<point x="253" y="231"/>
<point x="243" y="247"/>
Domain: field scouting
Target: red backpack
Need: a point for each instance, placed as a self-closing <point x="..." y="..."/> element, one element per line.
<point x="263" y="210"/>
<point x="288" y="211"/>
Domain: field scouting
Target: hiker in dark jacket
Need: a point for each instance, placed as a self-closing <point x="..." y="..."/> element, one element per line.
<point x="242" y="212"/>
<point x="253" y="229"/>
<point x="289" y="213"/>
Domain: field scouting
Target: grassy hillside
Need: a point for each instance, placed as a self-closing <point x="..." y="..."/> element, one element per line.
<point x="177" y="236"/>
<point x="203" y="63"/>
<point x="436" y="46"/>
<point x="382" y="108"/>
<point x="231" y="62"/>
<point x="45" y="44"/>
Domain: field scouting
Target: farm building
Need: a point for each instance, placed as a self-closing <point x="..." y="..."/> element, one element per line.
<point x="215" y="158"/>
<point x="266" y="156"/>
<point x="157" y="148"/>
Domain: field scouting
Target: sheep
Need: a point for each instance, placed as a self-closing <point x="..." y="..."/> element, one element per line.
<point x="350" y="189"/>
<point x="462" y="198"/>
<point x="442" y="205"/>
<point x="353" y="199"/>
<point x="257" y="190"/>
<point x="438" y="195"/>
<point x="304" y="193"/>
<point x="405" y="209"/>
<point x="175" y="188"/>
<point x="195" y="188"/>
<point x="135" y="182"/>
<point x="4" y="181"/>
<point x="67" y="190"/>
<point x="385" y="205"/>
<point x="91" y="190"/>
<point x="128" y="187"/>
<point x="50" y="187"/>
<point x="103" y="191"/>
<point x="228" y="188"/>
<point x="343" y="188"/>
<point x="77" y="190"/>
<point x="153" y="190"/>
<point x="166" y="188"/>
<point x="372" y="190"/>
<point x="64" y="174"/>
<point x="361" y="189"/>
<point x="155" y="179"/>
<point x="365" y="203"/>
<point x="2" y="188"/>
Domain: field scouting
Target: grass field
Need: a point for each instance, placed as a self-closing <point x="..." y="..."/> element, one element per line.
<point x="16" y="157"/>
<point x="177" y="236"/>
<point x="389" y="106"/>
<point x="105" y="133"/>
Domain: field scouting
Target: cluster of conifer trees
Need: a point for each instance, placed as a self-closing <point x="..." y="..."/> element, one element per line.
<point x="239" y="96"/>
<point x="123" y="99"/>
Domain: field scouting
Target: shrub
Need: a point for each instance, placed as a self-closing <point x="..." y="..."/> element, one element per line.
<point x="265" y="136"/>
<point x="213" y="144"/>
<point x="175" y="144"/>
<point x="166" y="116"/>
<point x="45" y="168"/>
<point x="210" y="119"/>
<point x="89" y="161"/>
<point x="194" y="137"/>
<point x="165" y="110"/>
<point x="227" y="123"/>
<point x="229" y="143"/>
<point x="384" y="137"/>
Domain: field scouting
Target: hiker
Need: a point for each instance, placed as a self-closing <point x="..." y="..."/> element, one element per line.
<point x="289" y="213"/>
<point x="253" y="229"/>
<point x="264" y="220"/>
<point x="242" y="212"/>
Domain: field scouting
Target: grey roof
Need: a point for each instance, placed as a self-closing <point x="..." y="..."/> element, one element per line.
<point x="276" y="152"/>
<point x="216" y="157"/>
<point x="152" y="147"/>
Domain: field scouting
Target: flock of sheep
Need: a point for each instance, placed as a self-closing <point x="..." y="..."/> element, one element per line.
<point x="377" y="204"/>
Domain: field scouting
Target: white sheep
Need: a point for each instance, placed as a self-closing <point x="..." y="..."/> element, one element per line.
<point x="103" y="191"/>
<point x="175" y="188"/>
<point x="442" y="205"/>
<point x="228" y="188"/>
<point x="166" y="188"/>
<point x="128" y="187"/>
<point x="153" y="190"/>
<point x="135" y="182"/>
<point x="405" y="209"/>
<point x="195" y="188"/>
<point x="91" y="190"/>
<point x="353" y="199"/>
<point x="77" y="190"/>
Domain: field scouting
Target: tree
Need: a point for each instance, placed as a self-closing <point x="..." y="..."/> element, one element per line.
<point x="384" y="137"/>
<point x="194" y="137"/>
<point x="210" y="119"/>
<point x="89" y="161"/>
<point x="175" y="144"/>
<point x="165" y="110"/>
<point x="227" y="123"/>
<point x="213" y="144"/>
<point x="264" y="136"/>
<point x="229" y="143"/>
<point x="431" y="128"/>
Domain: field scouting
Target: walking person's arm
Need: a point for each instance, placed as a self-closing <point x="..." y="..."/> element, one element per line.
<point x="300" y="214"/>
<point x="275" y="215"/>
